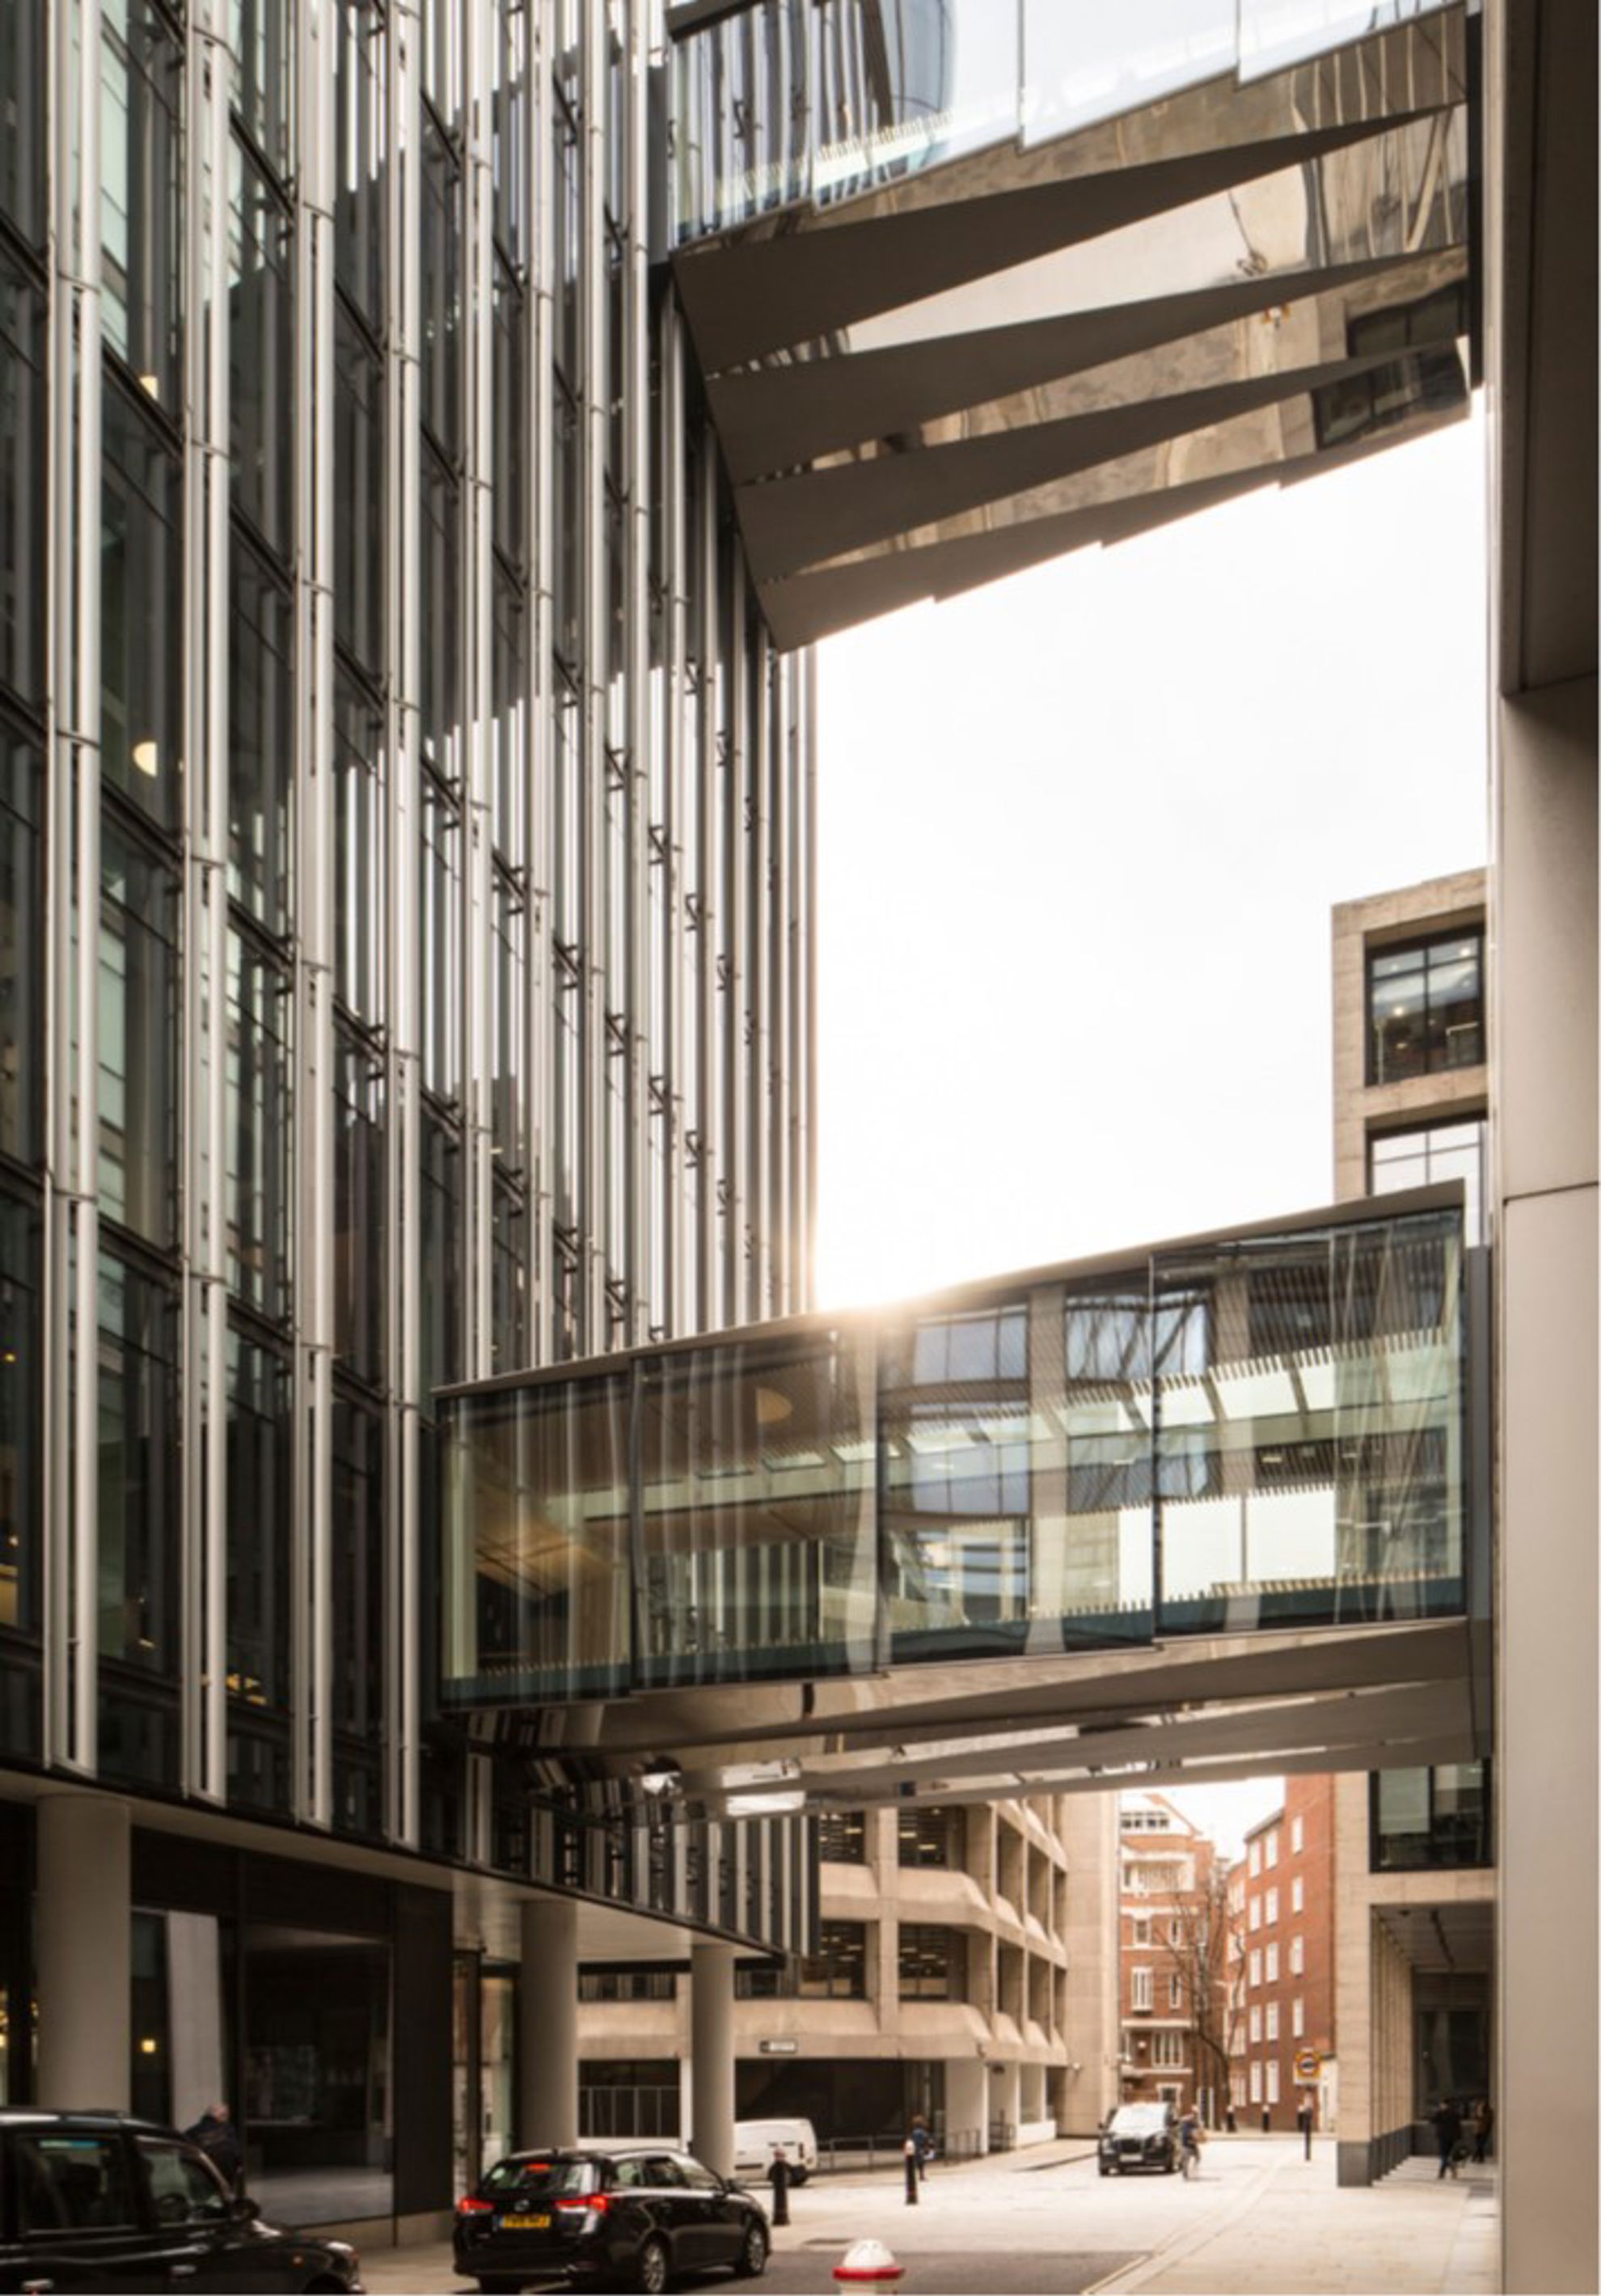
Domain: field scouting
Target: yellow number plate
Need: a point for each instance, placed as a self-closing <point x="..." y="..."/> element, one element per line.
<point x="524" y="2224"/>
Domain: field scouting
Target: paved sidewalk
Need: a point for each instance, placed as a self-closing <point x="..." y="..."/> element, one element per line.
<point x="1294" y="2232"/>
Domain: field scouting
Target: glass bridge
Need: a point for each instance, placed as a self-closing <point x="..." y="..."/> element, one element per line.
<point x="1256" y="1436"/>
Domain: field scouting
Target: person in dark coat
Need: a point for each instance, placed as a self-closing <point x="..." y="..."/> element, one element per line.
<point x="1448" y="2133"/>
<point x="215" y="2133"/>
<point x="1483" y="2129"/>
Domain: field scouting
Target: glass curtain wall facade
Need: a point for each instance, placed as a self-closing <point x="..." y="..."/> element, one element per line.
<point x="405" y="856"/>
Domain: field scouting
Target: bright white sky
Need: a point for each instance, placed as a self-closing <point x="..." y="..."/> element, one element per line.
<point x="1080" y="837"/>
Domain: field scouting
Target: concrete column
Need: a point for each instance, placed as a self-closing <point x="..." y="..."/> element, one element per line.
<point x="1544" y="1017"/>
<point x="547" y="2024"/>
<point x="712" y="2048"/>
<point x="84" y="1952"/>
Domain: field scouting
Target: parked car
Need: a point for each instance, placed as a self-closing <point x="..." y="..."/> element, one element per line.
<point x="1140" y="2136"/>
<point x="632" y="2216"/>
<point x="95" y="2200"/>
<point x="757" y="2144"/>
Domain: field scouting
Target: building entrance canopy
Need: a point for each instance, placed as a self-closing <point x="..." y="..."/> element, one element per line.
<point x="973" y="283"/>
<point x="1260" y="1436"/>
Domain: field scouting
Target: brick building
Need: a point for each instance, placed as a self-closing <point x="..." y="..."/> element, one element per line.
<point x="1174" y="1958"/>
<point x="1283" y="1961"/>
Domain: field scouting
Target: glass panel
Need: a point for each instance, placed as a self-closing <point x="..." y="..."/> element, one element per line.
<point x="141" y="572"/>
<point x="258" y="1129"/>
<point x="1274" y="33"/>
<point x="358" y="212"/>
<point x="1398" y="1161"/>
<point x="358" y="1616"/>
<point x="359" y="496"/>
<point x="442" y="1255"/>
<point x="441" y="610"/>
<point x="261" y="740"/>
<point x="21" y="1398"/>
<point x="1084" y="64"/>
<point x="537" y="1603"/>
<point x="757" y="1489"/>
<point x="140" y="1467"/>
<point x="1438" y="1818"/>
<point x="23" y="464"/>
<point x="837" y="1970"/>
<point x="1311" y="1467"/>
<point x="511" y="415"/>
<point x="261" y="34"/>
<point x="261" y="352"/>
<point x="23" y="118"/>
<point x="441" y="941"/>
<point x="508" y="732"/>
<point x="1426" y="1008"/>
<point x="358" y="1181"/>
<point x="141" y="162"/>
<point x="259" y="1468"/>
<point x="441" y="230"/>
<point x="21" y="930"/>
<point x="138" y="1022"/>
<point x="358" y="828"/>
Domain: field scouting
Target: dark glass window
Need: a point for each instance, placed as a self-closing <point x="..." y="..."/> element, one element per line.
<point x="358" y="828"/>
<point x="358" y="107"/>
<point x="261" y="352"/>
<point x="837" y="1970"/>
<point x="441" y="1274"/>
<point x="441" y="608"/>
<point x="1425" y="1007"/>
<point x="441" y="941"/>
<point x="1431" y="1817"/>
<point x="21" y="927"/>
<point x="258" y="1129"/>
<point x="627" y="1985"/>
<point x="139" y="988"/>
<point x="262" y="36"/>
<point x="441" y="230"/>
<point x="763" y="1980"/>
<point x="1435" y="1152"/>
<point x="932" y="1962"/>
<point x="358" y="1616"/>
<point x="22" y="116"/>
<point x="358" y="1182"/>
<point x="929" y="1837"/>
<point x="508" y="976"/>
<point x="508" y="1243"/>
<point x="511" y="415"/>
<point x="141" y="197"/>
<point x="509" y="731"/>
<point x="23" y="464"/>
<point x="842" y="1836"/>
<point x="261" y="736"/>
<point x="359" y="496"/>
<point x="142" y="638"/>
<point x="140" y="1469"/>
<point x="20" y="1420"/>
<point x="260" y="1465"/>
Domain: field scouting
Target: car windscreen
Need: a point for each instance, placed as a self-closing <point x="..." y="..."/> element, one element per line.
<point x="545" y="2178"/>
<point x="1139" y="2119"/>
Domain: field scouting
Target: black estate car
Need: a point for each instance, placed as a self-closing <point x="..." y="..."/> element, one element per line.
<point x="97" y="2201"/>
<point x="630" y="2217"/>
<point x="1140" y="2137"/>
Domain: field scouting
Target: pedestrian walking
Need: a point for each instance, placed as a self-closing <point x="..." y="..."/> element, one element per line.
<point x="922" y="2139"/>
<point x="1448" y="2134"/>
<point x="1306" y="2115"/>
<point x="1191" y="2137"/>
<point x="1483" y="2129"/>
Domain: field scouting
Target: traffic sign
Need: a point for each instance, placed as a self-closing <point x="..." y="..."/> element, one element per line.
<point x="1308" y="2064"/>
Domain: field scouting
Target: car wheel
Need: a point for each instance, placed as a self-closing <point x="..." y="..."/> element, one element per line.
<point x="753" y="2253"/>
<point x="651" y="2271"/>
<point x="1103" y="2168"/>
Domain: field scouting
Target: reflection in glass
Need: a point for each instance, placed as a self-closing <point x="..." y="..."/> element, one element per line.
<point x="358" y="107"/>
<point x="358" y="830"/>
<point x="441" y="873"/>
<point x="261" y="738"/>
<point x="257" y="1130"/>
<point x="358" y="495"/>
<point x="21" y="1592"/>
<point x="1431" y="1817"/>
<point x="357" y="1516"/>
<point x="139" y="1469"/>
<point x="441" y="610"/>
<point x="261" y="34"/>
<point x="1425" y="1007"/>
<point x="1274" y="33"/>
<point x="260" y="1465"/>
<point x="756" y="1493"/>
<point x="441" y="228"/>
<point x="23" y="464"/>
<point x="537" y="1603"/>
<point x="141" y="172"/>
<point x="441" y="1199"/>
<point x="358" y="1219"/>
<point x="141" y="573"/>
<point x="1084" y="64"/>
<point x="21" y="976"/>
<point x="138" y="1029"/>
<point x="261" y="379"/>
<point x="1398" y="1161"/>
<point x="23" y="118"/>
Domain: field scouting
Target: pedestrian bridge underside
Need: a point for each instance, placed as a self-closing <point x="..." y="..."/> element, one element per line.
<point x="1212" y="1509"/>
<point x="975" y="282"/>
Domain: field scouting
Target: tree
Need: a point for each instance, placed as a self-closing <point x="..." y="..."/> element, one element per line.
<point x="1200" y="1934"/>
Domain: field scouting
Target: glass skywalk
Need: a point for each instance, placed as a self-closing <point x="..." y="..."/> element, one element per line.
<point x="1261" y="1431"/>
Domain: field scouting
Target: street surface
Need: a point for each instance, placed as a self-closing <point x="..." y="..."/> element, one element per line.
<point x="1042" y="2223"/>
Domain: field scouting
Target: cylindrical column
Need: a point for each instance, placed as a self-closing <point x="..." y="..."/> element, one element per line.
<point x="84" y="1952"/>
<point x="711" y="2045"/>
<point x="547" y="2088"/>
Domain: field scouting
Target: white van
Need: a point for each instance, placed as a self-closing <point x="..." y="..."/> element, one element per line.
<point x="755" y="2142"/>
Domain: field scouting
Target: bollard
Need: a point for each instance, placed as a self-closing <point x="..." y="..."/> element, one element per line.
<point x="871" y="2263"/>
<point x="780" y="2187"/>
<point x="912" y="2174"/>
<point x="1267" y="2121"/>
